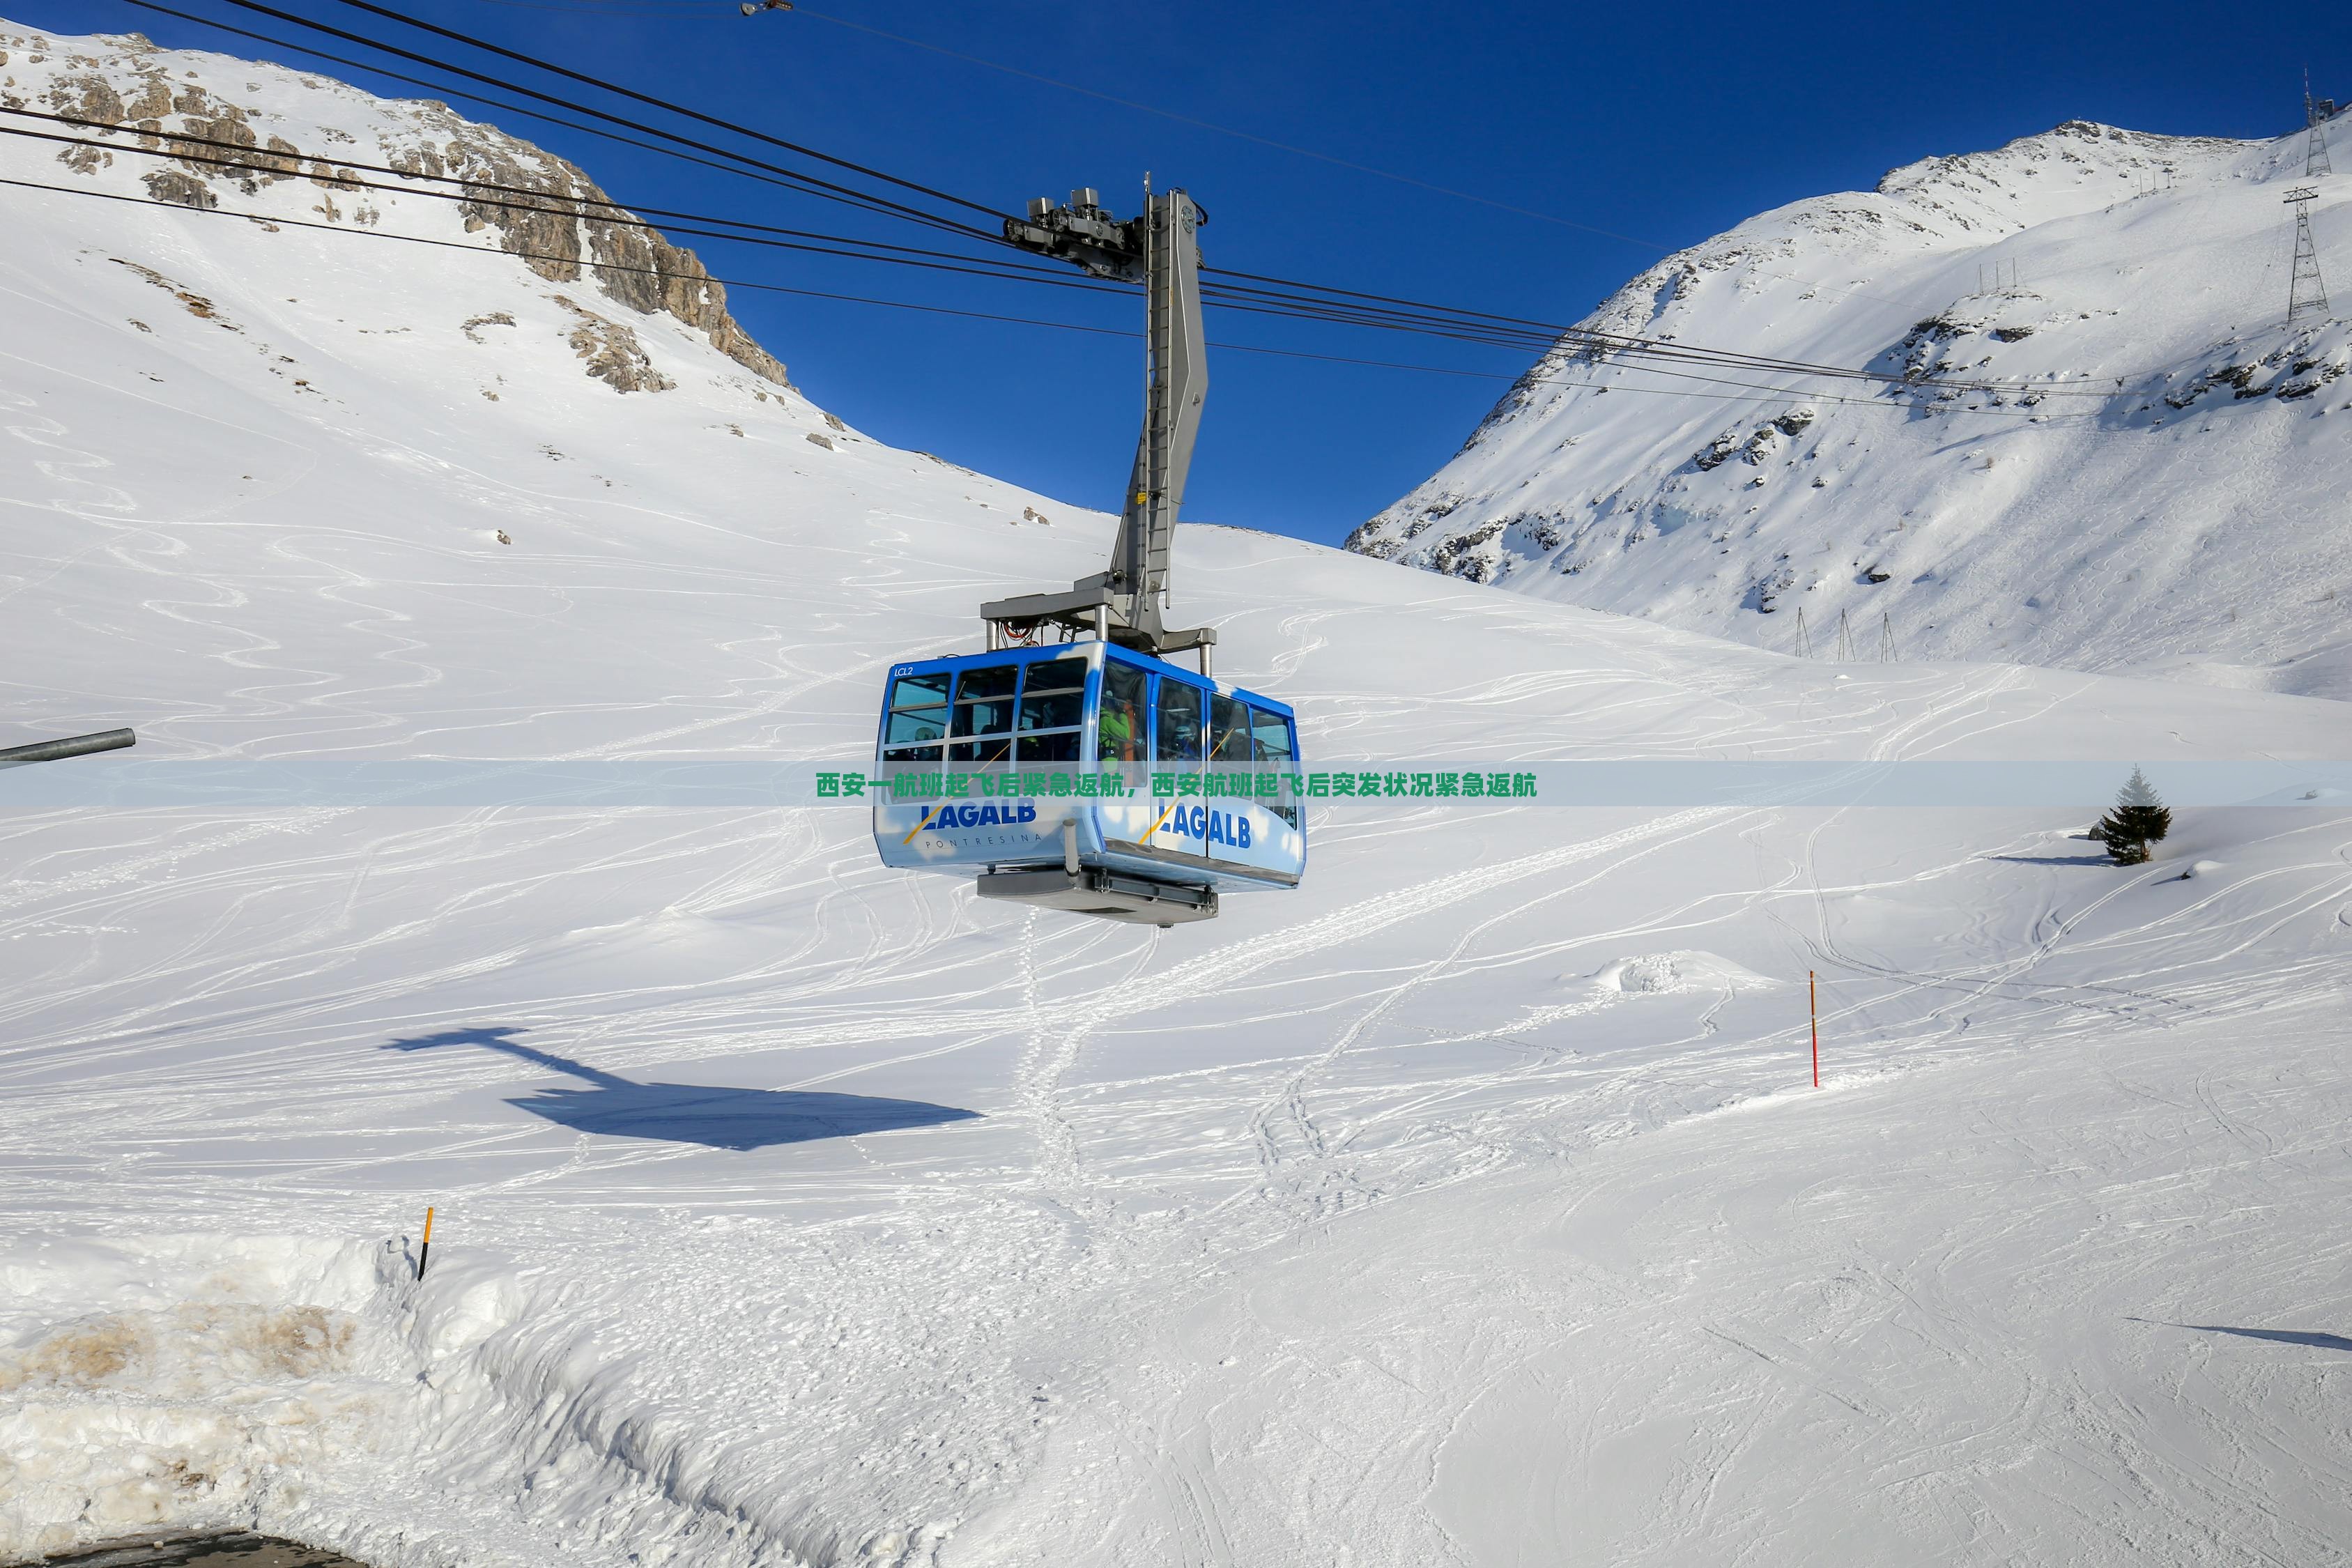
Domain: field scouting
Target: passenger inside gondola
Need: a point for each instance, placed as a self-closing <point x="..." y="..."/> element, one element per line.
<point x="1229" y="724"/>
<point x="1120" y="733"/>
<point x="1177" y="733"/>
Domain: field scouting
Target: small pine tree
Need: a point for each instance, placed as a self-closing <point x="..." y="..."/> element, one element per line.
<point x="2139" y="819"/>
<point x="2146" y="817"/>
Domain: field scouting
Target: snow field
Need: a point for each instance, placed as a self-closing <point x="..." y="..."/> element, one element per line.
<point x="1464" y="1206"/>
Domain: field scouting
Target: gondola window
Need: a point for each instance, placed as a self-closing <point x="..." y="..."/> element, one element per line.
<point x="919" y="718"/>
<point x="983" y="712"/>
<point x="1052" y="704"/>
<point x="1270" y="737"/>
<point x="1119" y="733"/>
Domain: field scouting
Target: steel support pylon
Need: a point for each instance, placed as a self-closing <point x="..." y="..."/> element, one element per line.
<point x="2306" y="293"/>
<point x="1160" y="249"/>
<point x="2316" y="113"/>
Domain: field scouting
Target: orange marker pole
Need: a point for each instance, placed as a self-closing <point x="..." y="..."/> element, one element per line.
<point x="1812" y="1005"/>
<point x="425" y="1250"/>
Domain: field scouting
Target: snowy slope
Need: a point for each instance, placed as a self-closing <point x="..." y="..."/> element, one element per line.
<point x="1469" y="1204"/>
<point x="2160" y="486"/>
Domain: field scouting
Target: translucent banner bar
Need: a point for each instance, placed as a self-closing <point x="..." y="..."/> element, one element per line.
<point x="128" y="779"/>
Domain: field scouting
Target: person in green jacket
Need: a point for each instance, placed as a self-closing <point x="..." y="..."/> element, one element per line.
<point x="1121" y="730"/>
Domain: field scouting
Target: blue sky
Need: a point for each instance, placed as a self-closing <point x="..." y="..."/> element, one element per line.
<point x="1660" y="125"/>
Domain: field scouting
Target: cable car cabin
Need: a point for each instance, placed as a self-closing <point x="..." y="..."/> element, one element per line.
<point x="1090" y="707"/>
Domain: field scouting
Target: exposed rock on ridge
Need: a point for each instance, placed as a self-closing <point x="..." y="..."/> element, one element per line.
<point x="2087" y="436"/>
<point x="565" y="228"/>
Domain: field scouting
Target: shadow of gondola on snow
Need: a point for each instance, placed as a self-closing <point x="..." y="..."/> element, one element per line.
<point x="2306" y="1337"/>
<point x="714" y="1117"/>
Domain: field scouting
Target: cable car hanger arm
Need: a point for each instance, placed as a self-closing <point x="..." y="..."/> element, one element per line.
<point x="1160" y="249"/>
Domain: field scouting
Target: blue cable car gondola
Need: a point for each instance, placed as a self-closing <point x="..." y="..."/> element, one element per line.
<point x="1078" y="682"/>
<point x="1158" y="851"/>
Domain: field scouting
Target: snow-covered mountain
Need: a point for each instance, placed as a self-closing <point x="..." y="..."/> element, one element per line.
<point x="1471" y="1204"/>
<point x="565" y="405"/>
<point x="304" y="132"/>
<point x="2157" y="480"/>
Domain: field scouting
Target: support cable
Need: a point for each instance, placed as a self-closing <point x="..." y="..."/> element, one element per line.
<point x="586" y="265"/>
<point x="631" y="93"/>
<point x="897" y="208"/>
<point x="1301" y="303"/>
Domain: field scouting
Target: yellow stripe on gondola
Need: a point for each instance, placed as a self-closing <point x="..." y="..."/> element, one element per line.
<point x="1155" y="827"/>
<point x="919" y="826"/>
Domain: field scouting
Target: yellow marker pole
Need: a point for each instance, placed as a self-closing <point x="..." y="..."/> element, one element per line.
<point x="425" y="1250"/>
<point x="1813" y="1008"/>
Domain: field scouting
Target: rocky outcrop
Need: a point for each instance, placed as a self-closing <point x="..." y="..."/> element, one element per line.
<point x="613" y="354"/>
<point x="541" y="209"/>
<point x="185" y="190"/>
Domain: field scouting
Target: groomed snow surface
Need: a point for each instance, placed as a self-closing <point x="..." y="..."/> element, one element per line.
<point x="1470" y="1204"/>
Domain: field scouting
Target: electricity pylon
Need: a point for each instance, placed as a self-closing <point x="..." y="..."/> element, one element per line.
<point x="2307" y="294"/>
<point x="2314" y="146"/>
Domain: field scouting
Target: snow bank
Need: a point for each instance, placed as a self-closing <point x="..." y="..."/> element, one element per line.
<point x="195" y="1381"/>
<point x="1662" y="973"/>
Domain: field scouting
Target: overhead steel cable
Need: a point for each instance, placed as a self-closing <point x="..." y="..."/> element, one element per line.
<point x="269" y="160"/>
<point x="240" y="158"/>
<point x="992" y="238"/>
<point x="457" y="37"/>
<point x="272" y="161"/>
<point x="898" y="208"/>
<point x="1294" y="284"/>
<point x="1340" y="300"/>
<point x="802" y="10"/>
<point x="1553" y="330"/>
<point x="583" y="263"/>
<point x="1306" y="301"/>
<point x="234" y="157"/>
<point x="1546" y="338"/>
<point x="755" y="171"/>
<point x="1343" y="318"/>
<point x="1552" y="334"/>
<point x="742" y="283"/>
<point x="1607" y="341"/>
<point x="647" y="99"/>
<point x="247" y="158"/>
<point x="470" y="189"/>
<point x="1221" y="130"/>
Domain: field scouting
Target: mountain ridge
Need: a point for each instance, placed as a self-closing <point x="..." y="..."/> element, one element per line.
<point x="2067" y="310"/>
<point x="576" y="237"/>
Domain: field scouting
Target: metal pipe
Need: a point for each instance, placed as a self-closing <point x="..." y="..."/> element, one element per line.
<point x="1070" y="845"/>
<point x="71" y="746"/>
